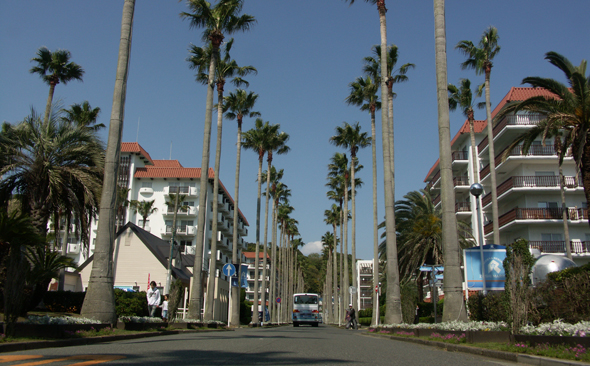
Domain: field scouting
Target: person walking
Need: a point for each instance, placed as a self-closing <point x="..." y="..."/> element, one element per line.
<point x="153" y="298"/>
<point x="351" y="318"/>
<point x="165" y="308"/>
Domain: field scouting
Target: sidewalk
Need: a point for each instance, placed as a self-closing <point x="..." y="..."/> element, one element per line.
<point x="501" y="355"/>
<point x="23" y="346"/>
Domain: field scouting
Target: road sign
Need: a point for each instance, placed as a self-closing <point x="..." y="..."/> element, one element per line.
<point x="376" y="288"/>
<point x="229" y="269"/>
<point x="278" y="300"/>
<point x="352" y="290"/>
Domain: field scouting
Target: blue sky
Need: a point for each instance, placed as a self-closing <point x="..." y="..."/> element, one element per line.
<point x="306" y="53"/>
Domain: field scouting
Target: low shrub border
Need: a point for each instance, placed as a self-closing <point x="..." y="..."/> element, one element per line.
<point x="30" y="330"/>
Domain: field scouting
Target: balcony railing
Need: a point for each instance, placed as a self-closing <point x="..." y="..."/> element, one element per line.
<point x="577" y="247"/>
<point x="518" y="120"/>
<point x="534" y="150"/>
<point x="461" y="181"/>
<point x="463" y="207"/>
<point x="551" y="181"/>
<point x="537" y="214"/>
<point x="459" y="155"/>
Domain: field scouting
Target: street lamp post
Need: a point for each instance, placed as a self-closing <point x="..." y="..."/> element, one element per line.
<point x="476" y="190"/>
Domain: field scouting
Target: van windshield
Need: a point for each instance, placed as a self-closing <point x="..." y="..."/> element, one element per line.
<point x="305" y="300"/>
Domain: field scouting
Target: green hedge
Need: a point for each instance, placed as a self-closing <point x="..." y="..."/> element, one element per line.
<point x="131" y="303"/>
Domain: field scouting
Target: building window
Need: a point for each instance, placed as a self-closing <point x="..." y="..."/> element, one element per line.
<point x="545" y="204"/>
<point x="145" y="184"/>
<point x="140" y="223"/>
<point x="551" y="237"/>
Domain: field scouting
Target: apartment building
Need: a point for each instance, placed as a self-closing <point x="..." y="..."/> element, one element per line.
<point x="364" y="270"/>
<point x="149" y="179"/>
<point x="250" y="258"/>
<point x="528" y="186"/>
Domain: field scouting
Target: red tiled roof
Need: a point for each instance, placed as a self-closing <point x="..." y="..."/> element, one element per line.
<point x="135" y="148"/>
<point x="515" y="94"/>
<point x="253" y="255"/>
<point x="172" y="172"/>
<point x="167" y="164"/>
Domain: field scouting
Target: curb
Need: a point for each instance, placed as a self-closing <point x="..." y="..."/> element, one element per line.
<point x="25" y="346"/>
<point x="502" y="355"/>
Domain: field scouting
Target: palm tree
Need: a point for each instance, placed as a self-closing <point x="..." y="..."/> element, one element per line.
<point x="144" y="208"/>
<point x="332" y="217"/>
<point x="122" y="204"/>
<point x="174" y="199"/>
<point x="257" y="140"/>
<point x="462" y="97"/>
<point x="236" y="106"/>
<point x="276" y="142"/>
<point x="280" y="193"/>
<point x="480" y="59"/>
<point x="54" y="68"/>
<point x="283" y="213"/>
<point x="225" y="68"/>
<point x="328" y="247"/>
<point x="83" y="114"/>
<point x="394" y="76"/>
<point x="220" y="19"/>
<point x="393" y="314"/>
<point x="361" y="91"/>
<point x="275" y="177"/>
<point x="99" y="302"/>
<point x="454" y="303"/>
<point x="419" y="225"/>
<point x="351" y="138"/>
<point x="567" y="114"/>
<point x="50" y="166"/>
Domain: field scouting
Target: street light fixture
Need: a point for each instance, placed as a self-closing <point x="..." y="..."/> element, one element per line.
<point x="476" y="190"/>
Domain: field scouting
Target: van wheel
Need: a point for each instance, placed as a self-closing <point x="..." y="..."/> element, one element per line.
<point x="295" y="324"/>
<point x="316" y="324"/>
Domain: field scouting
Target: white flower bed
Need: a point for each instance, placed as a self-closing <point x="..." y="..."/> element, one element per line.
<point x="557" y="328"/>
<point x="59" y="320"/>
<point x="139" y="319"/>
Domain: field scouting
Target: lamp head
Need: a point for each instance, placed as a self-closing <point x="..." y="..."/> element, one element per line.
<point x="476" y="189"/>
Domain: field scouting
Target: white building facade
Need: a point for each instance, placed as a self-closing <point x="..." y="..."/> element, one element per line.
<point x="528" y="186"/>
<point x="148" y="179"/>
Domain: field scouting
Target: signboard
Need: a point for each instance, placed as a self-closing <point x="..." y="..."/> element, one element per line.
<point x="228" y="269"/>
<point x="278" y="300"/>
<point x="352" y="290"/>
<point x="244" y="276"/>
<point x="493" y="256"/>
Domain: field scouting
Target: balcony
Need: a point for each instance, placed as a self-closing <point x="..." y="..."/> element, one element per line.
<point x="457" y="156"/>
<point x="181" y="230"/>
<point x="577" y="247"/>
<point x="551" y="181"/>
<point x="188" y="211"/>
<point x="518" y="120"/>
<point x="73" y="248"/>
<point x="222" y="206"/>
<point x="574" y="214"/>
<point x="461" y="181"/>
<point x="463" y="207"/>
<point x="146" y="191"/>
<point x="534" y="151"/>
<point x="184" y="190"/>
<point x="222" y="223"/>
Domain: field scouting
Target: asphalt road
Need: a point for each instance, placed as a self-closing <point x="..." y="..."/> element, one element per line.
<point x="304" y="345"/>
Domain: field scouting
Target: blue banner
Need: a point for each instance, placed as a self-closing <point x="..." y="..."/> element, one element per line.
<point x="244" y="276"/>
<point x="493" y="257"/>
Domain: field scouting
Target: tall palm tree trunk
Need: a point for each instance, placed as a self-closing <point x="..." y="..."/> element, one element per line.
<point x="49" y="102"/>
<point x="454" y="308"/>
<point x="273" y="267"/>
<point x="474" y="159"/>
<point x="375" y="317"/>
<point x="393" y="313"/>
<point x="64" y="251"/>
<point x="209" y="307"/>
<point x="334" y="303"/>
<point x="328" y="287"/>
<point x="495" y="219"/>
<point x="353" y="241"/>
<point x="257" y="253"/>
<point x="99" y="302"/>
<point x="196" y="293"/>
<point x="345" y="290"/>
<point x="265" y="242"/>
<point x="341" y="299"/>
<point x="235" y="295"/>
<point x="565" y="214"/>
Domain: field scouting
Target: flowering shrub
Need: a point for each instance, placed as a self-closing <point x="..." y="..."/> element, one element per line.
<point x="59" y="320"/>
<point x="451" y="338"/>
<point x="139" y="319"/>
<point x="577" y="352"/>
<point x="454" y="326"/>
<point x="558" y="328"/>
<point x="405" y="334"/>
